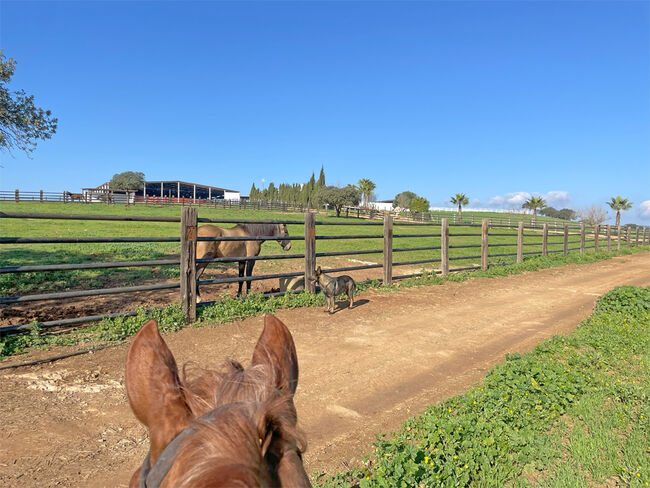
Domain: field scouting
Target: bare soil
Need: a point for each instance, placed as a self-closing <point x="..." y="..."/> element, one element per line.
<point x="363" y="370"/>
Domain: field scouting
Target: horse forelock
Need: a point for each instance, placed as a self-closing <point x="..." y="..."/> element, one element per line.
<point x="246" y="406"/>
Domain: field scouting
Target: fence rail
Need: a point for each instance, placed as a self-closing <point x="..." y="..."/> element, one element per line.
<point x="599" y="236"/>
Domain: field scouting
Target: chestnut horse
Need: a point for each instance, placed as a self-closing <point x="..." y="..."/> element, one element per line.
<point x="219" y="249"/>
<point x="74" y="196"/>
<point x="233" y="428"/>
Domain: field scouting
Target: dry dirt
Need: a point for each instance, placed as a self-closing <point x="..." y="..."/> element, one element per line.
<point x="361" y="371"/>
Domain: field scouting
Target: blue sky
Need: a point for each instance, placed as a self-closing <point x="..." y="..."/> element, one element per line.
<point x="493" y="98"/>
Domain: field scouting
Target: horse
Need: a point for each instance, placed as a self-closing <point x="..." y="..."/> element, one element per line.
<point x="74" y="196"/>
<point x="218" y="249"/>
<point x="229" y="428"/>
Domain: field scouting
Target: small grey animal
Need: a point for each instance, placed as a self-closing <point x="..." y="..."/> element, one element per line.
<point x="331" y="287"/>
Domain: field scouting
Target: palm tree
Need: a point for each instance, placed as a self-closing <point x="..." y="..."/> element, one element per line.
<point x="460" y="199"/>
<point x="619" y="204"/>
<point x="367" y="187"/>
<point x="534" y="203"/>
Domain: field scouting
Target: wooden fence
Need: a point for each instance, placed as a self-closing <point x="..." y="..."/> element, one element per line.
<point x="277" y="206"/>
<point x="599" y="237"/>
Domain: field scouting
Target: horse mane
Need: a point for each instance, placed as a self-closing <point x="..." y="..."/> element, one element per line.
<point x="248" y="405"/>
<point x="261" y="229"/>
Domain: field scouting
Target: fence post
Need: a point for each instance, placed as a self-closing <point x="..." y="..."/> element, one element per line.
<point x="310" y="252"/>
<point x="628" y="237"/>
<point x="388" y="249"/>
<point x="636" y="241"/>
<point x="596" y="232"/>
<point x="609" y="238"/>
<point x="444" y="246"/>
<point x="17" y="195"/>
<point x="566" y="239"/>
<point x="188" y="263"/>
<point x="582" y="238"/>
<point x="520" y="241"/>
<point x="484" y="244"/>
<point x="545" y="240"/>
<point x="618" y="240"/>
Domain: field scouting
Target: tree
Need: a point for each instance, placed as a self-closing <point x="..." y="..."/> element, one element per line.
<point x="367" y="187"/>
<point x="564" y="214"/>
<point x="460" y="199"/>
<point x="128" y="180"/>
<point x="21" y="122"/>
<point x="533" y="203"/>
<point x="419" y="205"/>
<point x="321" y="178"/>
<point x="593" y="215"/>
<point x="338" y="197"/>
<point x="619" y="204"/>
<point x="403" y="200"/>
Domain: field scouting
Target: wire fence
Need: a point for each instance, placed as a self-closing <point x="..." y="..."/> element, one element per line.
<point x="491" y="239"/>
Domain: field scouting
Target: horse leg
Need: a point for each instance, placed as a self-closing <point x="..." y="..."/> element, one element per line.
<point x="249" y="273"/>
<point x="351" y="296"/>
<point x="242" y="267"/>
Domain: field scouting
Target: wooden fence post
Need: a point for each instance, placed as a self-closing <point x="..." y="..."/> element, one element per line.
<point x="618" y="240"/>
<point x="628" y="237"/>
<point x="545" y="240"/>
<point x="310" y="252"/>
<point x="388" y="249"/>
<point x="41" y="195"/>
<point x="444" y="246"/>
<point x="520" y="241"/>
<point x="582" y="238"/>
<point x="609" y="238"/>
<point x="636" y="241"/>
<point x="596" y="232"/>
<point x="566" y="239"/>
<point x="188" y="263"/>
<point x="484" y="244"/>
<point x="17" y="195"/>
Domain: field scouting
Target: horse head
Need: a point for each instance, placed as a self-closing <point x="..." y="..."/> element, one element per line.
<point x="281" y="230"/>
<point x="235" y="427"/>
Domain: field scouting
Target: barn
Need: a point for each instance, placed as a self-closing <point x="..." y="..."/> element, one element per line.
<point x="169" y="190"/>
<point x="183" y="189"/>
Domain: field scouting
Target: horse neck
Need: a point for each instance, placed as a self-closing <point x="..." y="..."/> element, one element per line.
<point x="261" y="229"/>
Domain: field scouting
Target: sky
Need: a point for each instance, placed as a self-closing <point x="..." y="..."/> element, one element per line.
<point x="499" y="100"/>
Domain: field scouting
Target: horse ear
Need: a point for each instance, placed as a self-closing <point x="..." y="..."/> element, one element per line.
<point x="276" y="350"/>
<point x="154" y="388"/>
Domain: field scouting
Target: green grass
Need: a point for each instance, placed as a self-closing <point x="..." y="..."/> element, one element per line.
<point x="573" y="412"/>
<point x="228" y="308"/>
<point x="14" y="255"/>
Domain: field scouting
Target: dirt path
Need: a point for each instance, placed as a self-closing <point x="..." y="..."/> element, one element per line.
<point x="362" y="370"/>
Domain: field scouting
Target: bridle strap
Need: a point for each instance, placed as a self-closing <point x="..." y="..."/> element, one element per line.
<point x="153" y="476"/>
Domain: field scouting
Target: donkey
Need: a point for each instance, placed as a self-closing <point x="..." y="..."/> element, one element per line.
<point x="239" y="249"/>
<point x="229" y="428"/>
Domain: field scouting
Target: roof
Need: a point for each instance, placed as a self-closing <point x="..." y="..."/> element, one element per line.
<point x="192" y="184"/>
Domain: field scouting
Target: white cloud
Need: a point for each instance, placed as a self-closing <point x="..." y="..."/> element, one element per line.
<point x="644" y="209"/>
<point x="510" y="200"/>
<point x="475" y="201"/>
<point x="555" y="198"/>
<point x="558" y="199"/>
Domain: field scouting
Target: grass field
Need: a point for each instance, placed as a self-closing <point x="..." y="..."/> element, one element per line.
<point x="31" y="254"/>
<point x="574" y="412"/>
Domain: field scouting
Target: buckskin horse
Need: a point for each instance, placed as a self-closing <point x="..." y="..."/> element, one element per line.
<point x="229" y="428"/>
<point x="219" y="249"/>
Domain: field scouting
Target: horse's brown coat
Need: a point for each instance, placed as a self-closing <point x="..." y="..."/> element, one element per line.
<point x="219" y="249"/>
<point x="251" y="438"/>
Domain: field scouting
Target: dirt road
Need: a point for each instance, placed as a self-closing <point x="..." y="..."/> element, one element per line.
<point x="362" y="370"/>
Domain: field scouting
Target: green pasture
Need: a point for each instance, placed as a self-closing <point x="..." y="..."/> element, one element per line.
<point x="574" y="412"/>
<point x="32" y="254"/>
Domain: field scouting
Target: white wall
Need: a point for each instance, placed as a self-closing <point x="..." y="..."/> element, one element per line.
<point x="231" y="195"/>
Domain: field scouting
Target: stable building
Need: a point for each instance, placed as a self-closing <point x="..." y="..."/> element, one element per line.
<point x="182" y="189"/>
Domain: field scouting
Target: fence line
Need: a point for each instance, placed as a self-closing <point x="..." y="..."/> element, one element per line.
<point x="188" y="260"/>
